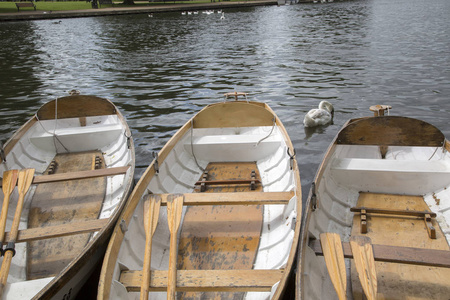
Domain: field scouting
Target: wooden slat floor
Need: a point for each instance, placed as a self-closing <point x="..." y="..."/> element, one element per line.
<point x="402" y="281"/>
<point x="59" y="203"/>
<point x="221" y="237"/>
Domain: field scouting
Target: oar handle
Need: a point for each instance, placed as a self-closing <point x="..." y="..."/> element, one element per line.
<point x="23" y="185"/>
<point x="9" y="183"/>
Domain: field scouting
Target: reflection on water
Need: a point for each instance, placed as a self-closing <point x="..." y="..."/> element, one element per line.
<point x="161" y="70"/>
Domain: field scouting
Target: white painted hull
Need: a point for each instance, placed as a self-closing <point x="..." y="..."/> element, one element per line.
<point x="349" y="168"/>
<point x="35" y="146"/>
<point x="267" y="144"/>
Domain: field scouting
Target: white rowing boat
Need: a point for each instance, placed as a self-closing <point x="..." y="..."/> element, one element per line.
<point x="82" y="156"/>
<point x="383" y="189"/>
<point x="216" y="214"/>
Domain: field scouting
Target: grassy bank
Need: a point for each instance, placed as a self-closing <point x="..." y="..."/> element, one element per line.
<point x="10" y="7"/>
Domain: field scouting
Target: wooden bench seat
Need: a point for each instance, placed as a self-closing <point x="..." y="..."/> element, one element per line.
<point x="393" y="254"/>
<point x="25" y="4"/>
<point x="238" y="198"/>
<point x="79" y="175"/>
<point x="42" y="233"/>
<point x="206" y="280"/>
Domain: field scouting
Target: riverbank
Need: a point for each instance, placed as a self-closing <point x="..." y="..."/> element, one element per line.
<point x="39" y="15"/>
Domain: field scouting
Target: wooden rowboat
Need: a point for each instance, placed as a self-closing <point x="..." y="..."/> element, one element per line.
<point x="224" y="190"/>
<point x="381" y="199"/>
<point x="80" y="150"/>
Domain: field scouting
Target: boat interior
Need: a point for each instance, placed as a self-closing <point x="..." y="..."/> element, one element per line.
<point x="396" y="195"/>
<point x="237" y="221"/>
<point x="82" y="164"/>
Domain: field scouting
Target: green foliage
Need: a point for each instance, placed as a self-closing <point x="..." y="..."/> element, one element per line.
<point x="10" y="7"/>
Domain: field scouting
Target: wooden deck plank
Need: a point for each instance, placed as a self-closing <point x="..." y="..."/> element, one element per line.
<point x="239" y="198"/>
<point x="398" y="280"/>
<point x="42" y="233"/>
<point x="63" y="202"/>
<point x="394" y="254"/>
<point x="207" y="280"/>
<point x="221" y="237"/>
<point x="79" y="175"/>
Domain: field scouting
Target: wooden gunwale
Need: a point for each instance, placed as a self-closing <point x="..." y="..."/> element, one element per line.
<point x="103" y="234"/>
<point x="117" y="237"/>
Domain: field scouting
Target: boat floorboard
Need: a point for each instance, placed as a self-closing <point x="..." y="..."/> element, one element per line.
<point x="221" y="237"/>
<point x="402" y="281"/>
<point x="64" y="202"/>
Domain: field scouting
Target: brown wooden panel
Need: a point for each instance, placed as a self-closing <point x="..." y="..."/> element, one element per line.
<point x="242" y="198"/>
<point x="60" y="203"/>
<point x="396" y="280"/>
<point x="42" y="233"/>
<point x="75" y="107"/>
<point x="391" y="131"/>
<point x="233" y="114"/>
<point x="394" y="254"/>
<point x="206" y="280"/>
<point x="222" y="236"/>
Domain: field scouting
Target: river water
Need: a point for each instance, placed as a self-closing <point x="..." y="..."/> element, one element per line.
<point x="161" y="70"/>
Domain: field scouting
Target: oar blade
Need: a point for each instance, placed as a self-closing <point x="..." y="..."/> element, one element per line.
<point x="365" y="264"/>
<point x="174" y="211"/>
<point x="334" y="260"/>
<point x="9" y="181"/>
<point x="25" y="179"/>
<point x="151" y="213"/>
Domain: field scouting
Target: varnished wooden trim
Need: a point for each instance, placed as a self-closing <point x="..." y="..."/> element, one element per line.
<point x="207" y="280"/>
<point x="233" y="114"/>
<point x="240" y="198"/>
<point x="403" y="255"/>
<point x="76" y="106"/>
<point x="41" y="233"/>
<point x="391" y="131"/>
<point x="80" y="175"/>
<point x="399" y="212"/>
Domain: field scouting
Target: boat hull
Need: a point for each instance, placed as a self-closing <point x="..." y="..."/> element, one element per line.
<point x="393" y="167"/>
<point x="228" y="140"/>
<point x="65" y="135"/>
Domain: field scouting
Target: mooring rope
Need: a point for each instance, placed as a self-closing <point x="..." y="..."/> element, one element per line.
<point x="273" y="127"/>
<point x="55" y="137"/>
<point x="192" y="146"/>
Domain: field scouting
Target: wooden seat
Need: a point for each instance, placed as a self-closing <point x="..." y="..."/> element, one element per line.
<point x="25" y="4"/>
<point x="206" y="280"/>
<point x="240" y="198"/>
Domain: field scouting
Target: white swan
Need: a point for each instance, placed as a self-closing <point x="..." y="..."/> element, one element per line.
<point x="223" y="16"/>
<point x="319" y="116"/>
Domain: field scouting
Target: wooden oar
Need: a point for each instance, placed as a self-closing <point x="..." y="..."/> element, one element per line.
<point x="8" y="185"/>
<point x="365" y="264"/>
<point x="151" y="215"/>
<point x="334" y="260"/>
<point x="25" y="179"/>
<point x="174" y="213"/>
